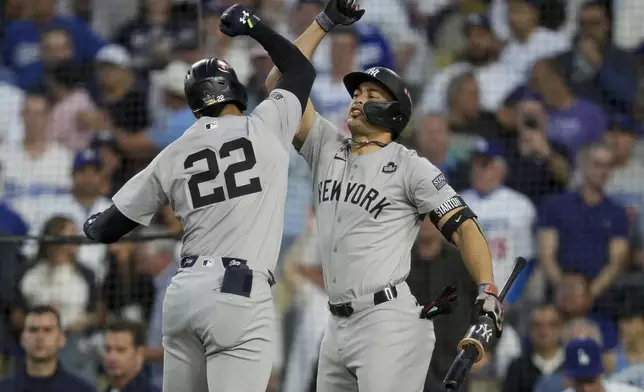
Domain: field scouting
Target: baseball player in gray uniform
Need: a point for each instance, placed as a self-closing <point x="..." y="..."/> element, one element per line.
<point x="226" y="180"/>
<point x="371" y="194"/>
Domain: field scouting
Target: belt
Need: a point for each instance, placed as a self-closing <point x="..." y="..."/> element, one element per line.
<point x="346" y="309"/>
<point x="220" y="264"/>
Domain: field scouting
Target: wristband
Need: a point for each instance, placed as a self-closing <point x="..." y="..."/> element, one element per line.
<point x="488" y="288"/>
<point x="325" y="22"/>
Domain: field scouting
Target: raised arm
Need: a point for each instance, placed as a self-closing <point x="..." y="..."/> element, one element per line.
<point x="336" y="12"/>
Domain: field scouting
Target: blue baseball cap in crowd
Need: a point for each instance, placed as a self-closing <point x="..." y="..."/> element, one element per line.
<point x="488" y="148"/>
<point x="87" y="157"/>
<point x="583" y="359"/>
<point x="477" y="20"/>
<point x="621" y="122"/>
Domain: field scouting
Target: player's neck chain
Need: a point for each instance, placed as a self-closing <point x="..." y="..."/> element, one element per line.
<point x="357" y="145"/>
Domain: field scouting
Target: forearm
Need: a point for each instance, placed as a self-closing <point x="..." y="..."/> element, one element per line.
<point x="153" y="354"/>
<point x="298" y="74"/>
<point x="605" y="279"/>
<point x="552" y="269"/>
<point x="307" y="43"/>
<point x="475" y="252"/>
<point x="558" y="168"/>
<point x="110" y="226"/>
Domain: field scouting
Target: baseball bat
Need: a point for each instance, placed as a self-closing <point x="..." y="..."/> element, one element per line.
<point x="472" y="350"/>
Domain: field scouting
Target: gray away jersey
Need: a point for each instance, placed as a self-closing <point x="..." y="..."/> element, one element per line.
<point x="369" y="209"/>
<point x="226" y="180"/>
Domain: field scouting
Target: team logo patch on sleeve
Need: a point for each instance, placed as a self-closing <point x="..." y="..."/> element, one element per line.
<point x="439" y="181"/>
<point x="389" y="168"/>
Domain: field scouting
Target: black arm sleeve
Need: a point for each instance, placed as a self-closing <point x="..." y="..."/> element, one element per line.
<point x="110" y="226"/>
<point x="297" y="71"/>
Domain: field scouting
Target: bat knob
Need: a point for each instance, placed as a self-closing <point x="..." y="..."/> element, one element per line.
<point x="450" y="386"/>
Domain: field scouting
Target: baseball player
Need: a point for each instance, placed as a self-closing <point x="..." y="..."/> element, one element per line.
<point x="225" y="179"/>
<point x="371" y="194"/>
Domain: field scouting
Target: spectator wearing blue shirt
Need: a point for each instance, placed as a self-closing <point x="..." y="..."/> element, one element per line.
<point x="374" y="49"/>
<point x="572" y="121"/>
<point x="21" y="41"/>
<point x="124" y="347"/>
<point x="42" y="339"/>
<point x="584" y="231"/>
<point x="595" y="68"/>
<point x="178" y="120"/>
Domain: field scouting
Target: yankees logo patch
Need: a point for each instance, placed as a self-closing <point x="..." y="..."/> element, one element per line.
<point x="439" y="181"/>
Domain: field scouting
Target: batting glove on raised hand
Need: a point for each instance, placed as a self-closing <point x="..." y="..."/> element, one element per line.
<point x="237" y="20"/>
<point x="442" y="304"/>
<point x="339" y="12"/>
<point x="488" y="303"/>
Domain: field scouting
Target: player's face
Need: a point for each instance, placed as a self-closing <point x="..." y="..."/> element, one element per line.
<point x="368" y="91"/>
<point x="631" y="329"/>
<point x="122" y="357"/>
<point x="42" y="337"/>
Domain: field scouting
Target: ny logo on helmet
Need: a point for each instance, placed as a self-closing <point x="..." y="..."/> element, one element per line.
<point x="372" y="71"/>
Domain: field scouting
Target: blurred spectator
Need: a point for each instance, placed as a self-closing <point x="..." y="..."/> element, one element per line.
<point x="56" y="279"/>
<point x="434" y="265"/>
<point x="126" y="293"/>
<point x="302" y="14"/>
<point x="584" y="231"/>
<point x="305" y="282"/>
<point x="124" y="355"/>
<point x="20" y="46"/>
<point x="42" y="339"/>
<point x="595" y="68"/>
<point x="628" y="30"/>
<point x="178" y="120"/>
<point x="40" y="167"/>
<point x="262" y="65"/>
<point x="574" y="302"/>
<point x="157" y="259"/>
<point x="529" y="42"/>
<point x="633" y="375"/>
<point x="539" y="166"/>
<point x="545" y="355"/>
<point x="621" y="136"/>
<point x="11" y="126"/>
<point x="152" y="35"/>
<point x="105" y="145"/>
<point x="84" y="200"/>
<point x="572" y="121"/>
<point x="217" y="44"/>
<point x="505" y="215"/>
<point x="432" y="141"/>
<point x="481" y="54"/>
<point x="329" y="95"/>
<point x="630" y="320"/>
<point x="584" y="369"/>
<point x="465" y="115"/>
<point x="71" y="100"/>
<point x="373" y="48"/>
<point x="124" y="101"/>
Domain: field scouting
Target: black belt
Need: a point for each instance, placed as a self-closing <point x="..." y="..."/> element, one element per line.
<point x="346" y="309"/>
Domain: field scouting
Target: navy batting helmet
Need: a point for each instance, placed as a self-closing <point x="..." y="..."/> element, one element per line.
<point x="213" y="82"/>
<point x="393" y="115"/>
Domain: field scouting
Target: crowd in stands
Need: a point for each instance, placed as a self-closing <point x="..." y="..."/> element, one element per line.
<point x="533" y="110"/>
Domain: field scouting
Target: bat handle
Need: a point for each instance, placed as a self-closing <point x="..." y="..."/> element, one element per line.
<point x="460" y="368"/>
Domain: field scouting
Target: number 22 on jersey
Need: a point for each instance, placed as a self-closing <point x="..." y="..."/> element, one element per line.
<point x="232" y="188"/>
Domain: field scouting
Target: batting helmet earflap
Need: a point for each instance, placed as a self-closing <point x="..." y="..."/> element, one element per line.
<point x="393" y="115"/>
<point x="213" y="82"/>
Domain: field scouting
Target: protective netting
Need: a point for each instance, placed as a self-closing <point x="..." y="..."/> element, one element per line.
<point x="531" y="108"/>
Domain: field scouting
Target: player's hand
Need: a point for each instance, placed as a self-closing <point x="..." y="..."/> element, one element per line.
<point x="237" y="20"/>
<point x="488" y="303"/>
<point x="442" y="304"/>
<point x="88" y="223"/>
<point x="339" y="12"/>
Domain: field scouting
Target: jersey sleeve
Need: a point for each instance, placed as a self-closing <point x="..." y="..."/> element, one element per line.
<point x="426" y="185"/>
<point x="323" y="138"/>
<point x="280" y="114"/>
<point x="142" y="196"/>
